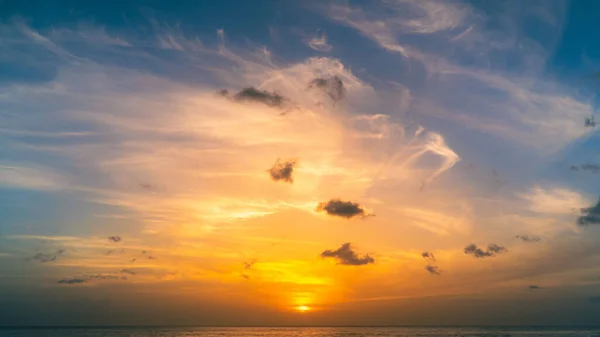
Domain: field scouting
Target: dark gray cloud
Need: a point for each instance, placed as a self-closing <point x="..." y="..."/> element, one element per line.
<point x="105" y="277"/>
<point x="494" y="248"/>
<point x="114" y="238"/>
<point x="591" y="215"/>
<point x="46" y="257"/>
<point x="246" y="276"/>
<point x="594" y="299"/>
<point x="251" y="94"/>
<point x="428" y="256"/>
<point x="346" y="256"/>
<point x="344" y="209"/>
<point x="128" y="271"/>
<point x="529" y="238"/>
<point x="283" y="171"/>
<point x="332" y="86"/>
<point x="591" y="167"/>
<point x="534" y="287"/>
<point x="435" y="270"/>
<point x="594" y="168"/>
<point x="590" y="122"/>
<point x="248" y="265"/>
<point x="477" y="252"/>
<point x="72" y="281"/>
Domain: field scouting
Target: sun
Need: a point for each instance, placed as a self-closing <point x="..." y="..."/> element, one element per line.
<point x="302" y="308"/>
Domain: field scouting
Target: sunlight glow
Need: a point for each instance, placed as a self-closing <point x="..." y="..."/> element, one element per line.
<point x="302" y="308"/>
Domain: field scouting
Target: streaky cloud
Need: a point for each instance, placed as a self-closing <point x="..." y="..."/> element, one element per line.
<point x="72" y="281"/>
<point x="529" y="238"/>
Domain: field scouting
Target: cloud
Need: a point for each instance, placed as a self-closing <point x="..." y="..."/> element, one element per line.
<point x="346" y="256"/>
<point x="251" y="94"/>
<point x="72" y="281"/>
<point x="105" y="277"/>
<point x="594" y="168"/>
<point x="556" y="200"/>
<point x="319" y="43"/>
<point x="534" y="287"/>
<point x="332" y="86"/>
<point x="591" y="215"/>
<point x="590" y="167"/>
<point x="435" y="270"/>
<point x="249" y="264"/>
<point x="344" y="209"/>
<point x="428" y="256"/>
<point x="528" y="238"/>
<point x="30" y="178"/>
<point x="41" y="257"/>
<point x="96" y="277"/>
<point x="477" y="252"/>
<point x="114" y="238"/>
<point x="47" y="257"/>
<point x="128" y="271"/>
<point x="282" y="171"/>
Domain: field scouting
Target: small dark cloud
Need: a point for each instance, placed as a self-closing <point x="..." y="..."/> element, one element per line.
<point x="591" y="215"/>
<point x="591" y="167"/>
<point x="594" y="168"/>
<point x="594" y="299"/>
<point x="150" y="257"/>
<point x="114" y="238"/>
<point x="251" y="94"/>
<point x="105" y="277"/>
<point x="435" y="270"/>
<point x="477" y="252"/>
<point x="43" y="257"/>
<point x="346" y="256"/>
<point x="146" y="186"/>
<point x="247" y="277"/>
<point x="528" y="238"/>
<point x="282" y="171"/>
<point x="590" y="122"/>
<point x="332" y="86"/>
<point x="344" y="209"/>
<point x="133" y="260"/>
<point x="72" y="281"/>
<point x="534" y="287"/>
<point x="128" y="271"/>
<point x="428" y="256"/>
<point x="248" y="265"/>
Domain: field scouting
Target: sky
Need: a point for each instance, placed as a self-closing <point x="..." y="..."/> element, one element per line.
<point x="385" y="162"/>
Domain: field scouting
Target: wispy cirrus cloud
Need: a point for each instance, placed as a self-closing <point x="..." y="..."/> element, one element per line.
<point x="319" y="43"/>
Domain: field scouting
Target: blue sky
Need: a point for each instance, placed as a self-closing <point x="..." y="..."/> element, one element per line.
<point x="461" y="123"/>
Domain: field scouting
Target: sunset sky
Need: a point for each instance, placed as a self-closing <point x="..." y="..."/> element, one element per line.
<point x="385" y="162"/>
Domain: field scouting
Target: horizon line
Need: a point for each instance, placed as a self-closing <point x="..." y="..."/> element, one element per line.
<point x="288" y="326"/>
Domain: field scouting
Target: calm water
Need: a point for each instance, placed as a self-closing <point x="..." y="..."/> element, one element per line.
<point x="298" y="332"/>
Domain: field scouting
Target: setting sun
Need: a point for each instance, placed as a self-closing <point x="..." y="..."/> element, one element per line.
<point x="302" y="308"/>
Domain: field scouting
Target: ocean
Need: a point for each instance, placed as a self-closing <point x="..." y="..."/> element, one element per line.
<point x="297" y="332"/>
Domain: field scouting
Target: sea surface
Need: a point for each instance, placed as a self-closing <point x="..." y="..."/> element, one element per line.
<point x="296" y="332"/>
